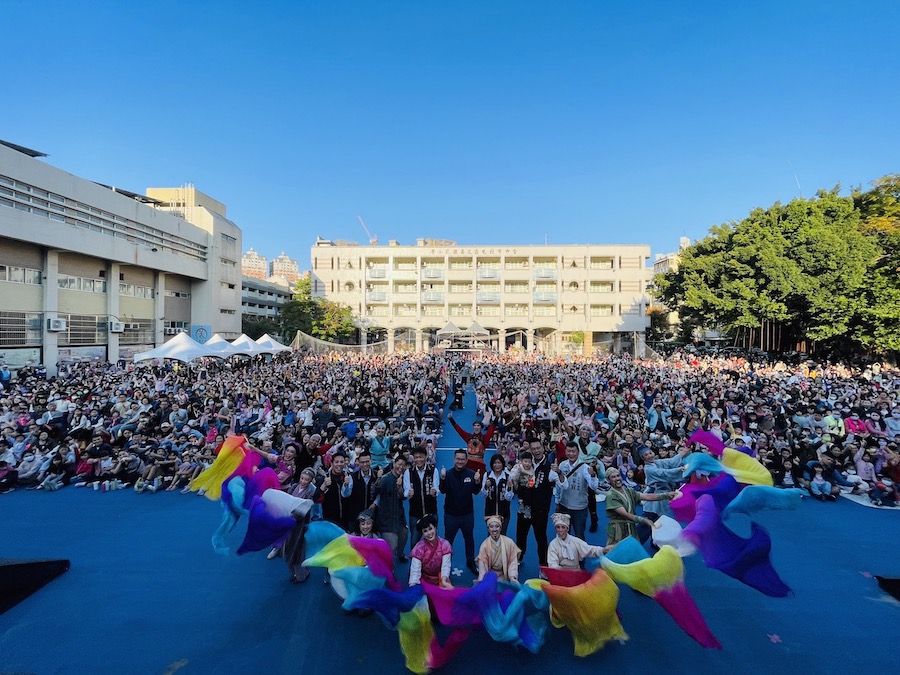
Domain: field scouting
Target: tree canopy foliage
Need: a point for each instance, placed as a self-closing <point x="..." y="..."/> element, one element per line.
<point x="821" y="269"/>
<point x="319" y="317"/>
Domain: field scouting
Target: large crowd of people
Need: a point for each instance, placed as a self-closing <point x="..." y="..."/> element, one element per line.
<point x="581" y="441"/>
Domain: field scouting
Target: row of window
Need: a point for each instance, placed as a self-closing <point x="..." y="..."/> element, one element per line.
<point x="625" y="286"/>
<point x="32" y="199"/>
<point x="177" y="294"/>
<point x="594" y="263"/>
<point x="20" y="275"/>
<point x="594" y="311"/>
<point x="88" y="285"/>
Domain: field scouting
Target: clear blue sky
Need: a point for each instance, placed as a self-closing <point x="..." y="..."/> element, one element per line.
<point x="484" y="122"/>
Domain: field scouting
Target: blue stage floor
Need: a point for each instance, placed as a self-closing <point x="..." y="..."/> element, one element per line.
<point x="147" y="594"/>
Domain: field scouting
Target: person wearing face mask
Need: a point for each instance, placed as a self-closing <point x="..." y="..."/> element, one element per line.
<point x="29" y="469"/>
<point x="856" y="428"/>
<point x="892" y="421"/>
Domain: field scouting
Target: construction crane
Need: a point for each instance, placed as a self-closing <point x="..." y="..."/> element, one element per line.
<point x="373" y="239"/>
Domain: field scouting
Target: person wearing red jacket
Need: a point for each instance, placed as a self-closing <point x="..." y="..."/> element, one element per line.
<point x="476" y="442"/>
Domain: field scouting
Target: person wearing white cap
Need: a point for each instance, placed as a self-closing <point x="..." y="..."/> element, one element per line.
<point x="567" y="551"/>
<point x="498" y="553"/>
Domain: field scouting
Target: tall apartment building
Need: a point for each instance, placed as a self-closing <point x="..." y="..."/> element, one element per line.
<point x="93" y="272"/>
<point x="534" y="297"/>
<point x="254" y="265"/>
<point x="284" y="268"/>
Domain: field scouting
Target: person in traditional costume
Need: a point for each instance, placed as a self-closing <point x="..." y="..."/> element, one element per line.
<point x="567" y="551"/>
<point x="430" y="558"/>
<point x="498" y="553"/>
<point x="365" y="525"/>
<point x="621" y="507"/>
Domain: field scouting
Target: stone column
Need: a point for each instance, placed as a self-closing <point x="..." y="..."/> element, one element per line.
<point x="587" y="348"/>
<point x="418" y="340"/>
<point x="159" y="308"/>
<point x="529" y="339"/>
<point x="501" y="340"/>
<point x="112" y="310"/>
<point x="50" y="289"/>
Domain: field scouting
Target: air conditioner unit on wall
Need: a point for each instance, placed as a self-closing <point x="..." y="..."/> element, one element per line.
<point x="56" y="325"/>
<point x="132" y="326"/>
<point x="171" y="331"/>
<point x="116" y="327"/>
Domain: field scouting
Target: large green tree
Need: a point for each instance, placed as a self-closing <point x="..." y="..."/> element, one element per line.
<point x="800" y="267"/>
<point x="877" y="323"/>
<point x="319" y="317"/>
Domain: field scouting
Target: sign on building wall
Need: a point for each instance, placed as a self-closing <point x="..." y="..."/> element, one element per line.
<point x="95" y="353"/>
<point x="16" y="358"/>
<point x="201" y="333"/>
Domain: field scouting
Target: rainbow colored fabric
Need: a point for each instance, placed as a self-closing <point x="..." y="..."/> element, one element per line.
<point x="583" y="601"/>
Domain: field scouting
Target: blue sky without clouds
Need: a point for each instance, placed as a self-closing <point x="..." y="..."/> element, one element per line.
<point x="483" y="122"/>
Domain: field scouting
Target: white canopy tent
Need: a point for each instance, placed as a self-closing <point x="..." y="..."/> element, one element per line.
<point x="182" y="347"/>
<point x="245" y="346"/>
<point x="271" y="346"/>
<point x="220" y="346"/>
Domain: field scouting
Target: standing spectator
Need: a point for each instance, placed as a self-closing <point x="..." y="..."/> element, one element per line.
<point x="365" y="486"/>
<point x="476" y="442"/>
<point x="460" y="485"/>
<point x="420" y="484"/>
<point x="577" y="480"/>
<point x="538" y="495"/>
<point x="497" y="492"/>
<point x="336" y="487"/>
<point x="391" y="519"/>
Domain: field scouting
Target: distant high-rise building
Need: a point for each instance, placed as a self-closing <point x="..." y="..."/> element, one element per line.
<point x="254" y="265"/>
<point x="283" y="267"/>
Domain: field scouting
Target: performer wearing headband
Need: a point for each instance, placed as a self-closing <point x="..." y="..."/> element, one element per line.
<point x="498" y="553"/>
<point x="567" y="551"/>
<point x="621" y="508"/>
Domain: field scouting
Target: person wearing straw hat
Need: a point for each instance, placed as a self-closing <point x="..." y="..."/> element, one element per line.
<point x="567" y="551"/>
<point x="498" y="553"/>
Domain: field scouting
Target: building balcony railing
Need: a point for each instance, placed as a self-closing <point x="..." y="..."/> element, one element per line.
<point x="432" y="297"/>
<point x="376" y="296"/>
<point x="487" y="273"/>
<point x="544" y="298"/>
<point x="432" y="273"/>
<point x="376" y="273"/>
<point x="487" y="298"/>
<point x="544" y="273"/>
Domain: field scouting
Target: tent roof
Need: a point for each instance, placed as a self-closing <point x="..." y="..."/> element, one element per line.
<point x="476" y="329"/>
<point x="182" y="347"/>
<point x="245" y="346"/>
<point x="449" y="329"/>
<point x="221" y="346"/>
<point x="270" y="344"/>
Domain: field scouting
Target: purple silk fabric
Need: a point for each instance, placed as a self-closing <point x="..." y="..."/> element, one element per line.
<point x="746" y="560"/>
